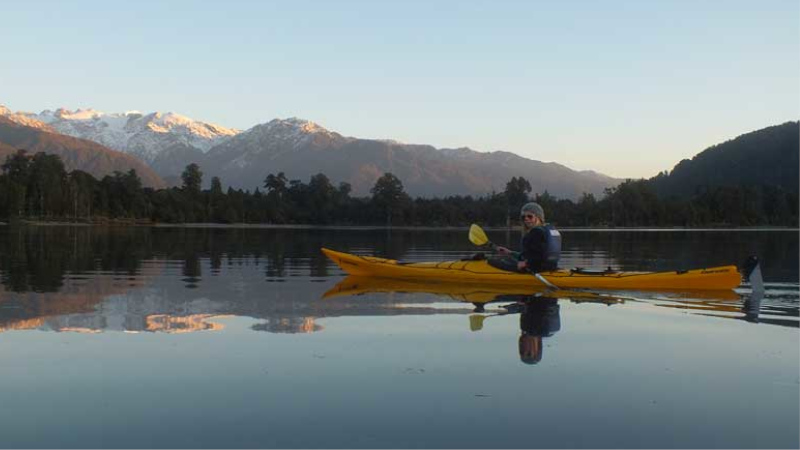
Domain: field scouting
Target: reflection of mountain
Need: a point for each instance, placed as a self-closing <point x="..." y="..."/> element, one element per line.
<point x="28" y="310"/>
<point x="289" y="325"/>
<point x="186" y="324"/>
<point x="169" y="310"/>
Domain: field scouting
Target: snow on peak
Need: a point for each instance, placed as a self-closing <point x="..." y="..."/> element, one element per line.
<point x="142" y="135"/>
<point x="305" y="125"/>
<point x="25" y="119"/>
<point x="294" y="124"/>
<point x="277" y="137"/>
<point x="292" y="131"/>
<point x="169" y="122"/>
<point x="79" y="114"/>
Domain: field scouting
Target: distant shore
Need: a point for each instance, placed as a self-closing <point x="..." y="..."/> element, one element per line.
<point x="132" y="223"/>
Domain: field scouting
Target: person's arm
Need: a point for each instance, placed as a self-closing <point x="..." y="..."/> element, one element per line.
<point x="506" y="252"/>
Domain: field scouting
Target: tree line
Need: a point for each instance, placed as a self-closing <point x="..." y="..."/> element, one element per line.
<point x="37" y="187"/>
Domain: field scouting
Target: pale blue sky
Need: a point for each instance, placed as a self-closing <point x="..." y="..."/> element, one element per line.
<point x="627" y="88"/>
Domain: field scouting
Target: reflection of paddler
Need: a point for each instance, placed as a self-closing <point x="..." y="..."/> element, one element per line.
<point x="539" y="318"/>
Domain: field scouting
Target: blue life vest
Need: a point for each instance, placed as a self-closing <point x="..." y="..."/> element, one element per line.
<point x="553" y="244"/>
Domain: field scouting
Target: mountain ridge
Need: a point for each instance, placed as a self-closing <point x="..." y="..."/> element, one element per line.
<point x="424" y="169"/>
<point x="168" y="142"/>
<point x="161" y="140"/>
<point x="75" y="153"/>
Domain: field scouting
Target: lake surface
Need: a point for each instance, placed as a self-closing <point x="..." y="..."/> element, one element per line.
<point x="230" y="338"/>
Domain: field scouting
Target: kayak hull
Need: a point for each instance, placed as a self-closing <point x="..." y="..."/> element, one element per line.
<point x="713" y="278"/>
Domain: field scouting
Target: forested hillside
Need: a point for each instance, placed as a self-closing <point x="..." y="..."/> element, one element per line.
<point x="767" y="158"/>
<point x="76" y="154"/>
<point x="749" y="181"/>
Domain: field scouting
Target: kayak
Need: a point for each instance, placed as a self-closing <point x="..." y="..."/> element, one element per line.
<point x="479" y="271"/>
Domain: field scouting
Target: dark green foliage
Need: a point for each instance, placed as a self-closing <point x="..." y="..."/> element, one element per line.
<point x="389" y="196"/>
<point x="767" y="157"/>
<point x="38" y="187"/>
<point x="192" y="178"/>
<point x="516" y="195"/>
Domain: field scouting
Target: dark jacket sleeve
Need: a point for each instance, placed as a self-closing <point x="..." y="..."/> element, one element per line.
<point x="534" y="249"/>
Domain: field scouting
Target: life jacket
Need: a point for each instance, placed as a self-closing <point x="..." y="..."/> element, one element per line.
<point x="553" y="245"/>
<point x="552" y="252"/>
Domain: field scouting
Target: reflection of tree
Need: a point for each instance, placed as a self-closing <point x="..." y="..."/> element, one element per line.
<point x="215" y="261"/>
<point x="191" y="269"/>
<point x="34" y="258"/>
<point x="276" y="254"/>
<point x="319" y="266"/>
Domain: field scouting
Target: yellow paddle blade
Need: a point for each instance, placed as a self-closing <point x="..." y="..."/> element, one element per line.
<point x="477" y="236"/>
<point x="476" y="322"/>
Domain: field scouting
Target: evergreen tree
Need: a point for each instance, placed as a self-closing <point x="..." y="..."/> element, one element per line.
<point x="516" y="195"/>
<point x="387" y="195"/>
<point x="192" y="178"/>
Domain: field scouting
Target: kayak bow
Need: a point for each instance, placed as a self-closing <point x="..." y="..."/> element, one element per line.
<point x="480" y="272"/>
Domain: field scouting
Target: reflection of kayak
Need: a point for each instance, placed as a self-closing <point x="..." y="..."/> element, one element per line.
<point x="470" y="271"/>
<point x="477" y="293"/>
<point x="470" y="293"/>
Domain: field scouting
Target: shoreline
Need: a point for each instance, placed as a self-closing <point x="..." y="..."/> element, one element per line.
<point x="373" y="227"/>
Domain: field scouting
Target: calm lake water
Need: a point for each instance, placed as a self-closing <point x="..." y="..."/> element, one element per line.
<point x="227" y="338"/>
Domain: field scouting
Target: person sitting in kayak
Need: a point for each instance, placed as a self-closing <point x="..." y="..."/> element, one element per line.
<point x="540" y="247"/>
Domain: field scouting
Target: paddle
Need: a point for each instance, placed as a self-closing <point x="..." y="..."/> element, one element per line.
<point x="476" y="320"/>
<point x="478" y="237"/>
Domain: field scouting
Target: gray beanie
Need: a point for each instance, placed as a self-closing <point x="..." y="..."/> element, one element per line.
<point x="534" y="208"/>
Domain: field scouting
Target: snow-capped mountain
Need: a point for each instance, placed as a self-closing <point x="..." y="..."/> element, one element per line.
<point x="76" y="153"/>
<point x="150" y="137"/>
<point x="24" y="119"/>
<point x="301" y="149"/>
<point x="272" y="140"/>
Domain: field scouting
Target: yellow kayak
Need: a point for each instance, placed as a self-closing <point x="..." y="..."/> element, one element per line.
<point x="480" y="272"/>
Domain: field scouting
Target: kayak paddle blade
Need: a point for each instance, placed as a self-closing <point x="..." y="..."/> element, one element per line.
<point x="476" y="322"/>
<point x="477" y="236"/>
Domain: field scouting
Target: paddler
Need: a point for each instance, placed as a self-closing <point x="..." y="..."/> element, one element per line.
<point x="540" y="248"/>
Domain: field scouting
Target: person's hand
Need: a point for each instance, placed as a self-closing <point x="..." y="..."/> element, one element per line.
<point x="502" y="250"/>
<point x="522" y="264"/>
